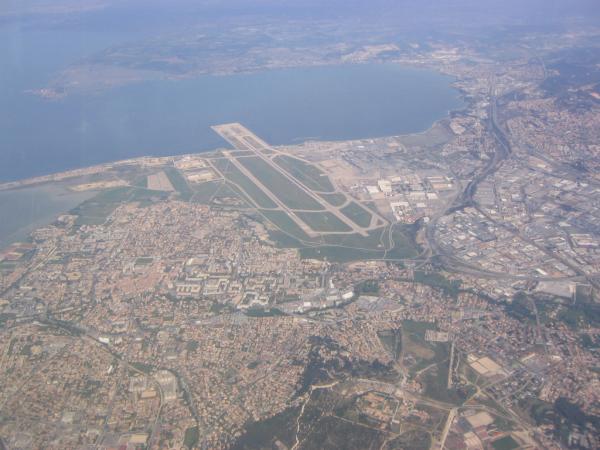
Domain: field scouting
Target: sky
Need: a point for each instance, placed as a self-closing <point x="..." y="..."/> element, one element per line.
<point x="420" y="10"/>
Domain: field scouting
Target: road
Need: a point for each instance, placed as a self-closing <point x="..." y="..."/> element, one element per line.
<point x="465" y="199"/>
<point x="447" y="425"/>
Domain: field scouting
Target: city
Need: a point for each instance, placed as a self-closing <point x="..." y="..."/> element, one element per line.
<point x="427" y="290"/>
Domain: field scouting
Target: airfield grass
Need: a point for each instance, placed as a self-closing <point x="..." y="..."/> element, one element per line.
<point x="357" y="214"/>
<point x="404" y="244"/>
<point x="372" y="241"/>
<point x="241" y="153"/>
<point x="228" y="192"/>
<point x="351" y="247"/>
<point x="233" y="174"/>
<point x="203" y="193"/>
<point x="378" y="240"/>
<point x="334" y="199"/>
<point x="287" y="226"/>
<point x="371" y="205"/>
<point x="283" y="240"/>
<point x="347" y="247"/>
<point x="286" y="191"/>
<point x="307" y="174"/>
<point x="7" y="265"/>
<point x="339" y="247"/>
<point x="217" y="191"/>
<point x="140" y="181"/>
<point x="323" y="221"/>
<point x="339" y="254"/>
<point x="232" y="190"/>
<point x="290" y="235"/>
<point x="179" y="183"/>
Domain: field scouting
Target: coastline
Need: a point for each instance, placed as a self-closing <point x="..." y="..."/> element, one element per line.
<point x="293" y="113"/>
<point x="149" y="160"/>
<point x="55" y="189"/>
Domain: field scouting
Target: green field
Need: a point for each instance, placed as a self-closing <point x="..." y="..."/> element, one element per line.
<point x="147" y="196"/>
<point x="421" y="352"/>
<point x="237" y="153"/>
<point x="96" y="210"/>
<point x="309" y="175"/>
<point x="372" y="241"/>
<point x="179" y="183"/>
<point x="233" y="174"/>
<point x="338" y="246"/>
<point x="204" y="193"/>
<point x="505" y="443"/>
<point x="286" y="191"/>
<point x="282" y="221"/>
<point x="191" y="437"/>
<point x="428" y="362"/>
<point x="357" y="214"/>
<point x="323" y="221"/>
<point x="436" y="280"/>
<point x="351" y="247"/>
<point x="261" y="434"/>
<point x="339" y="254"/>
<point x="140" y="181"/>
<point x="334" y="199"/>
<point x="332" y="433"/>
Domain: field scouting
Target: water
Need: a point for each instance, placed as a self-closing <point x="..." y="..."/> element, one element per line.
<point x="40" y="136"/>
<point x="24" y="210"/>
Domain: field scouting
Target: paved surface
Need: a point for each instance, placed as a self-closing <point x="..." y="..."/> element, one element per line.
<point x="243" y="139"/>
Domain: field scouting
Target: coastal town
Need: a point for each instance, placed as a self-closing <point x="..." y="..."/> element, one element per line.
<point x="434" y="290"/>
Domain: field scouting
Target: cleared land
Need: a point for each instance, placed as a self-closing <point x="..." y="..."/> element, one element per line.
<point x="307" y="174"/>
<point x="286" y="191"/>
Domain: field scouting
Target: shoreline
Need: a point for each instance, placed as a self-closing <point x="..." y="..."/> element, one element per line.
<point x="154" y="160"/>
<point x="45" y="177"/>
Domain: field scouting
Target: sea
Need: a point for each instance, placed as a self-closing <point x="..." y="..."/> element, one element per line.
<point x="284" y="106"/>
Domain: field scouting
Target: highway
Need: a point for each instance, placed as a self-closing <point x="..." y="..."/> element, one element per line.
<point x="465" y="199"/>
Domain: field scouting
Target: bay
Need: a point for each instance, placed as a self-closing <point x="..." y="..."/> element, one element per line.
<point x="39" y="136"/>
<point x="283" y="106"/>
